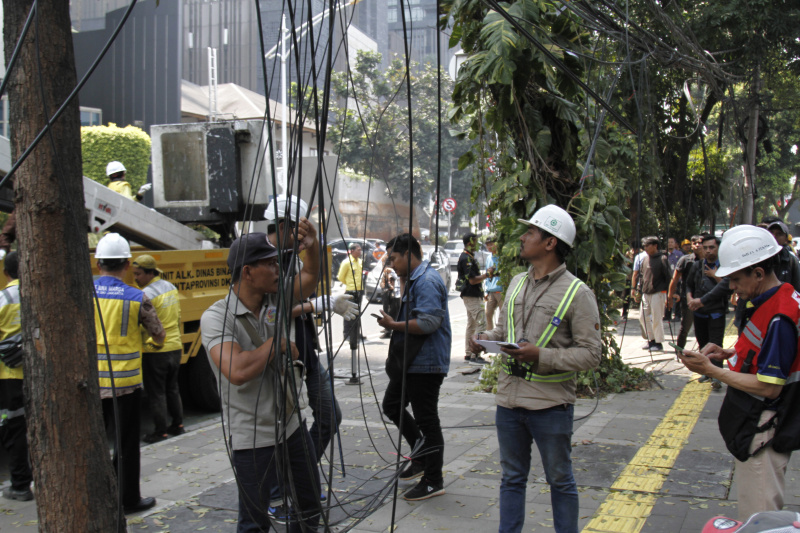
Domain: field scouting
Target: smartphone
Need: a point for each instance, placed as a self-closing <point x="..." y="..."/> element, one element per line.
<point x="675" y="346"/>
<point x="512" y="345"/>
<point x="376" y="316"/>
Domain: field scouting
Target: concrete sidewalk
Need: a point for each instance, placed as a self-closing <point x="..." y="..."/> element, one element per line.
<point x="191" y="476"/>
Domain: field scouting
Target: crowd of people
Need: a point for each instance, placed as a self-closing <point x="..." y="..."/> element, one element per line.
<point x="263" y="348"/>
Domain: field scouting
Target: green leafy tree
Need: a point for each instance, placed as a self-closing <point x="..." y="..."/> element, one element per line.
<point x="533" y="127"/>
<point x="371" y="130"/>
<point x="129" y="145"/>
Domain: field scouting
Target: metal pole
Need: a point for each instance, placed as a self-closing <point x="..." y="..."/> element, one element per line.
<point x="285" y="116"/>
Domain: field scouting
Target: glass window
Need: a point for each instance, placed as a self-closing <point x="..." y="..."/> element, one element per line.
<point x="91" y="116"/>
<point x="392" y="17"/>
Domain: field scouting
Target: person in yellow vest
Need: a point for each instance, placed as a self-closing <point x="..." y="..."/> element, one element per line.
<point x="553" y="318"/>
<point x="12" y="402"/>
<point x="115" y="171"/>
<point x="161" y="364"/>
<point x="351" y="274"/>
<point x="126" y="312"/>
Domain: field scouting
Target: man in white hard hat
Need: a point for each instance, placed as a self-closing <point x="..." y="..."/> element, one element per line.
<point x="758" y="419"/>
<point x="553" y="317"/>
<point x="127" y="313"/>
<point x="284" y="216"/>
<point x="115" y="171"/>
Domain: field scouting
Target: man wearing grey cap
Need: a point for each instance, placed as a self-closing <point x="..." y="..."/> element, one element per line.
<point x="789" y="269"/>
<point x="244" y="336"/>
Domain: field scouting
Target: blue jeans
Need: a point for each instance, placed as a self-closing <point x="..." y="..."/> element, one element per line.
<point x="551" y="429"/>
<point x="258" y="471"/>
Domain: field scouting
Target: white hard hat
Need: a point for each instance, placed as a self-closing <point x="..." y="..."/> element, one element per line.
<point x="114" y="167"/>
<point x="745" y="246"/>
<point x="285" y="203"/>
<point x="555" y="221"/>
<point x="113" y="246"/>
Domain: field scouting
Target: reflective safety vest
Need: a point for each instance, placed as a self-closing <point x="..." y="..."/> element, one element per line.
<point x="10" y="323"/>
<point x="525" y="370"/>
<point x="119" y="304"/>
<point x="785" y="302"/>
<point x="164" y="297"/>
<point x="739" y="415"/>
<point x="122" y="187"/>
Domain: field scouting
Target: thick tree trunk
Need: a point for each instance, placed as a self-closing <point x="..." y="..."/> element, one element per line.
<point x="74" y="481"/>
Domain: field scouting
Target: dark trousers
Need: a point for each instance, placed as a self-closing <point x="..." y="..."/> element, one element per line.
<point x="13" y="434"/>
<point x="128" y="407"/>
<point x="422" y="392"/>
<point x="160" y="375"/>
<point x="258" y="471"/>
<point x="354" y="325"/>
<point x="687" y="320"/>
<point x="709" y="330"/>
<point x="324" y="409"/>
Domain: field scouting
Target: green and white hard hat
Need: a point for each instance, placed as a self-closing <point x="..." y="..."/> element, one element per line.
<point x="554" y="221"/>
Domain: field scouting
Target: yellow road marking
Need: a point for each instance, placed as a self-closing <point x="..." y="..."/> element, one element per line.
<point x="626" y="512"/>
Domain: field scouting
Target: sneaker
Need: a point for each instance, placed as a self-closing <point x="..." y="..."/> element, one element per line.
<point x="716" y="385"/>
<point x="648" y="345"/>
<point x="703" y="379"/>
<point x="154" y="437"/>
<point x="658" y="347"/>
<point x="279" y="514"/>
<point x="176" y="430"/>
<point x="412" y="471"/>
<point x="477" y="360"/>
<point x="468" y="357"/>
<point x="20" y="495"/>
<point x="424" y="490"/>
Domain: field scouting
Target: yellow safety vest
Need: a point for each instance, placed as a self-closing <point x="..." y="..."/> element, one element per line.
<point x="122" y="187"/>
<point x="10" y="323"/>
<point x="164" y="297"/>
<point x="119" y="304"/>
<point x="544" y="338"/>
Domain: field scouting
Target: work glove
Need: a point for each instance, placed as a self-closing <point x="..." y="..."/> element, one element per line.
<point x="341" y="305"/>
<point x="144" y="188"/>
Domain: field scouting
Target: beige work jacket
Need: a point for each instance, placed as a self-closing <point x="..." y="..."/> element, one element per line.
<point x="576" y="344"/>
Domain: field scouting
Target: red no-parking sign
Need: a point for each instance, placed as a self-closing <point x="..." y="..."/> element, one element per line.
<point x="449" y="205"/>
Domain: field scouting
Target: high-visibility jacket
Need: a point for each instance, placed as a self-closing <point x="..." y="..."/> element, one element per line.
<point x="740" y="411"/>
<point x="784" y="302"/>
<point x="164" y="297"/>
<point x="10" y="323"/>
<point x="119" y="304"/>
<point x="524" y="370"/>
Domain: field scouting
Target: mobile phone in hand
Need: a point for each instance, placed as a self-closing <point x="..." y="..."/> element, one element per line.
<point x="512" y="345"/>
<point x="376" y="316"/>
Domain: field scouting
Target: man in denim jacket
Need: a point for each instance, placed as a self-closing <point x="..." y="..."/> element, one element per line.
<point x="419" y="357"/>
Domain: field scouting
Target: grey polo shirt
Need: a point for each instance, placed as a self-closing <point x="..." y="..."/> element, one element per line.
<point x="248" y="410"/>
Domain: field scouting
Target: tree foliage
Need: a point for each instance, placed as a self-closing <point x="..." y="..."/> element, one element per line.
<point x="371" y="129"/>
<point x="129" y="145"/>
<point x="533" y="123"/>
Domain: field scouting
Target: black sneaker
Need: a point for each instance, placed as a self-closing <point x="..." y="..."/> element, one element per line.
<point x="280" y="514"/>
<point x="477" y="360"/>
<point x="20" y="495"/>
<point x="424" y="490"/>
<point x="412" y="471"/>
<point x="658" y="347"/>
<point x="176" y="430"/>
<point x="648" y="345"/>
<point x="154" y="437"/>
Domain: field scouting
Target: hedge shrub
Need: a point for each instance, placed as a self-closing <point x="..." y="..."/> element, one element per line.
<point x="129" y="145"/>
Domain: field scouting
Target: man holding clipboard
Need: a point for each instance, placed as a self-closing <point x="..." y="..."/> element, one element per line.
<point x="552" y="317"/>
